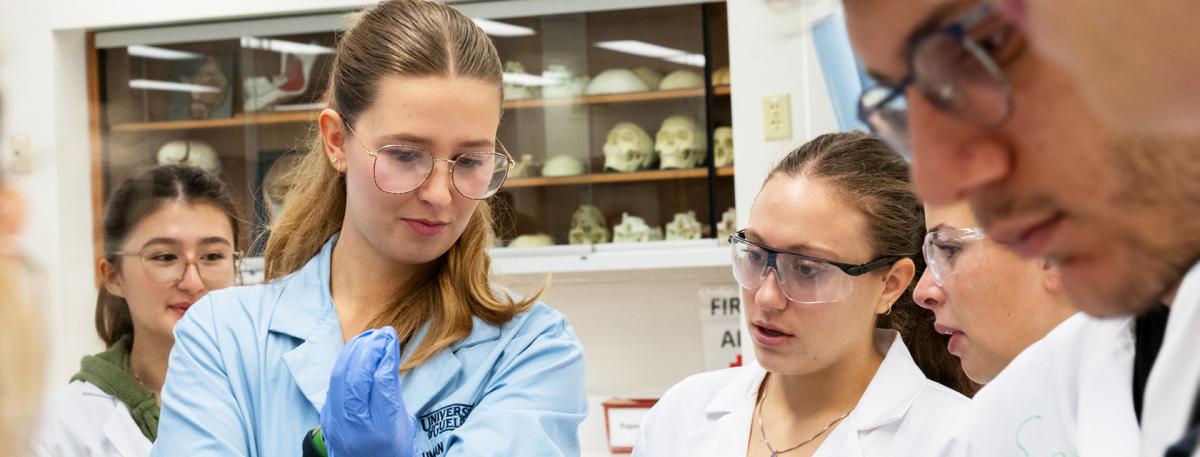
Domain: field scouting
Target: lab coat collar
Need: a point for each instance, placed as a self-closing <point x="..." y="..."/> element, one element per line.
<point x="126" y="440"/>
<point x="895" y="386"/>
<point x="892" y="390"/>
<point x="305" y="311"/>
<point x="1171" y="387"/>
<point x="1106" y="427"/>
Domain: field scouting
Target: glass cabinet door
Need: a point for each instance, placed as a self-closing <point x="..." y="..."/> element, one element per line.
<point x="610" y="116"/>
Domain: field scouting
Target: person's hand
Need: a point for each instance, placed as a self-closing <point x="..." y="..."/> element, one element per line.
<point x="364" y="414"/>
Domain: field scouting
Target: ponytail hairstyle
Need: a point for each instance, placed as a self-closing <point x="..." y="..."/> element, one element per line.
<point x="136" y="198"/>
<point x="410" y="38"/>
<point x="871" y="177"/>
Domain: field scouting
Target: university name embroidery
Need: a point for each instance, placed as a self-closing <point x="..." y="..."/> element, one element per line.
<point x="445" y="419"/>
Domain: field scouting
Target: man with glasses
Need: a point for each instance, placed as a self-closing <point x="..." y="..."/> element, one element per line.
<point x="987" y="121"/>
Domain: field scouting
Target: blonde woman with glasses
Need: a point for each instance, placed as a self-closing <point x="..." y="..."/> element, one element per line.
<point x="170" y="237"/>
<point x="384" y="235"/>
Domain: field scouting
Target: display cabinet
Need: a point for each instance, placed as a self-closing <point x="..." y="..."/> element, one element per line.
<point x="617" y="119"/>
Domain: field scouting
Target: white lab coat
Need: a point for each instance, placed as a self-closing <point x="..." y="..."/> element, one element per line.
<point x="1069" y="394"/>
<point x="900" y="414"/>
<point x="83" y="421"/>
<point x="1171" y="388"/>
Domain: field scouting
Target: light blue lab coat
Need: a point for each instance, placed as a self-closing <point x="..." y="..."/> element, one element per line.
<point x="250" y="369"/>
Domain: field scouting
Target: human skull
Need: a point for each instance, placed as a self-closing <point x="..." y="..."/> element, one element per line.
<point x="616" y="81"/>
<point x="562" y="165"/>
<point x="628" y="148"/>
<point x="679" y="143"/>
<point x="529" y="241"/>
<point x="525" y="168"/>
<point x="563" y="84"/>
<point x="684" y="227"/>
<point x="588" y="226"/>
<point x="189" y="152"/>
<point x="633" y="229"/>
<point x="681" y="79"/>
<point x="720" y="76"/>
<point x="728" y="224"/>
<point x="514" y="91"/>
<point x="723" y="146"/>
<point x="650" y="76"/>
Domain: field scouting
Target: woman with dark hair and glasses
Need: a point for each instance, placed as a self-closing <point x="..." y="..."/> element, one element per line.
<point x="170" y="237"/>
<point x="846" y="364"/>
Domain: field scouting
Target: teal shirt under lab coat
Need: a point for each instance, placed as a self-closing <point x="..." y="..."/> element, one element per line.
<point x="251" y="365"/>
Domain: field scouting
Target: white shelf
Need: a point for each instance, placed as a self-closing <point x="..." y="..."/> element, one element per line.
<point x="582" y="258"/>
<point x="653" y="255"/>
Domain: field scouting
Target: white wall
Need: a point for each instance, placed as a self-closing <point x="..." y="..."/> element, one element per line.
<point x="45" y="98"/>
<point x="770" y="54"/>
<point x="43" y="79"/>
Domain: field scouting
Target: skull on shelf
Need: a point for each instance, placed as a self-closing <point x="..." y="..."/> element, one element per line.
<point x="728" y="224"/>
<point x="720" y="76"/>
<point x="684" y="227"/>
<point x="650" y="76"/>
<point x="189" y="152"/>
<point x="616" y="81"/>
<point x="588" y="226"/>
<point x="563" y="82"/>
<point x="723" y="146"/>
<point x="525" y="168"/>
<point x="633" y="229"/>
<point x="563" y="165"/>
<point x="628" y="148"/>
<point x="681" y="79"/>
<point x="514" y="90"/>
<point x="679" y="143"/>
<point x="529" y="241"/>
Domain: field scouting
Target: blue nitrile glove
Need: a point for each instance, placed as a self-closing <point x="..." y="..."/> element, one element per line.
<point x="364" y="414"/>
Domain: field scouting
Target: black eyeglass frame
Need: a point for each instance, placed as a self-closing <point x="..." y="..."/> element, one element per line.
<point x="957" y="31"/>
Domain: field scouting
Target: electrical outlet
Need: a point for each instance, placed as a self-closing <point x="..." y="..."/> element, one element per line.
<point x="20" y="155"/>
<point x="777" y="118"/>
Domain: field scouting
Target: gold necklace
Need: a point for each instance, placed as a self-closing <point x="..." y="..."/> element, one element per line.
<point x="763" y="432"/>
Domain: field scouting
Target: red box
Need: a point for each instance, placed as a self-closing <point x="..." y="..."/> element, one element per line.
<point x="625" y="415"/>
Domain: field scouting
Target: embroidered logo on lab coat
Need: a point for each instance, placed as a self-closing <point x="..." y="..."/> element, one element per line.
<point x="444" y="420"/>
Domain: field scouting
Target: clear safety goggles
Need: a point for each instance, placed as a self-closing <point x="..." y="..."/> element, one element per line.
<point x="801" y="278"/>
<point x="942" y="248"/>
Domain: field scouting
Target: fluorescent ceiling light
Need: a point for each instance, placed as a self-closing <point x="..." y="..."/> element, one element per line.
<point x="171" y="86"/>
<point x="640" y="48"/>
<point x="695" y="60"/>
<point x="152" y="52"/>
<point x="526" y="79"/>
<point x="503" y="30"/>
<point x="284" y="46"/>
<point x="299" y="107"/>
